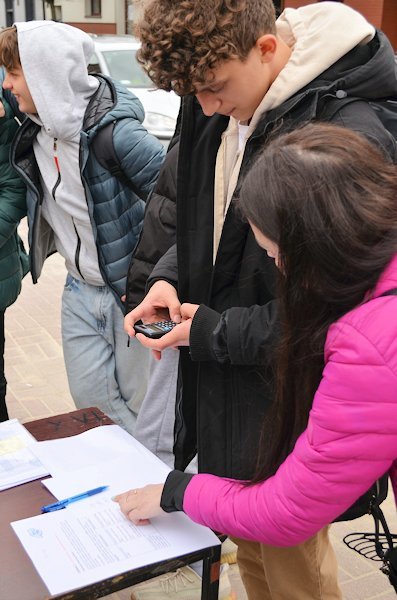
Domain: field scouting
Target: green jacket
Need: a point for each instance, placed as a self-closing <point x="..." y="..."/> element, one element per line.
<point x="14" y="262"/>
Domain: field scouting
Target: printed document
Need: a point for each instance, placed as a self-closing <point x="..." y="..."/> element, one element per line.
<point x="91" y="540"/>
<point x="17" y="463"/>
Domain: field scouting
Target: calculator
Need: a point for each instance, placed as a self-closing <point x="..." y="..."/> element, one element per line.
<point x="154" y="330"/>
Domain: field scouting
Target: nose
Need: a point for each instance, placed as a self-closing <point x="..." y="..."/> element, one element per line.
<point x="209" y="103"/>
<point x="6" y="83"/>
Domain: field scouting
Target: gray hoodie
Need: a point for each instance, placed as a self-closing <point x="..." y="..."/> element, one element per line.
<point x="54" y="59"/>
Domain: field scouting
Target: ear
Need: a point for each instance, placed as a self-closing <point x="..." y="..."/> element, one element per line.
<point x="267" y="46"/>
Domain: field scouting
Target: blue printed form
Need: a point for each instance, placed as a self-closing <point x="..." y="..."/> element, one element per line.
<point x="17" y="462"/>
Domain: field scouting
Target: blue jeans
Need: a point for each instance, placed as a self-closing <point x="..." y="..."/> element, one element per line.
<point x="102" y="371"/>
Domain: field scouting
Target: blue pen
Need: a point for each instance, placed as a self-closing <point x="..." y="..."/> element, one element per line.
<point x="64" y="503"/>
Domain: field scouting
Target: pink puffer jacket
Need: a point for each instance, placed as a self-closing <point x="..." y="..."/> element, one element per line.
<point x="350" y="440"/>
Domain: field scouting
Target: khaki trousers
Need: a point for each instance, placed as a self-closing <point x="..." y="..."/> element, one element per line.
<point x="305" y="572"/>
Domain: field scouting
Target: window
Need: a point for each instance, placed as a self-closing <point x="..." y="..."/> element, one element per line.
<point x="93" y="8"/>
<point x="29" y="10"/>
<point x="9" y="13"/>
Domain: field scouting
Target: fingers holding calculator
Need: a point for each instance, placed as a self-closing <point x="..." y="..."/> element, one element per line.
<point x="163" y="334"/>
<point x="154" y="330"/>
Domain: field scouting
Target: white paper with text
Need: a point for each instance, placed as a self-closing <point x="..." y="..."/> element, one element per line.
<point x="91" y="541"/>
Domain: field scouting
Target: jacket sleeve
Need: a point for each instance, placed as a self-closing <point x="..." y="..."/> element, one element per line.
<point x="140" y="154"/>
<point x="158" y="233"/>
<point x="350" y="441"/>
<point x="240" y="336"/>
<point x="12" y="189"/>
<point x="166" y="269"/>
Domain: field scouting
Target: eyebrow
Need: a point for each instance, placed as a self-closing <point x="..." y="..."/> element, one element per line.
<point x="209" y="85"/>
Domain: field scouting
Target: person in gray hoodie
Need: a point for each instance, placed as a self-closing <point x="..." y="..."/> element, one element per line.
<point x="77" y="207"/>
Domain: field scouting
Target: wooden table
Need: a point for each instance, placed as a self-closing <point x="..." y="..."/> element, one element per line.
<point x="19" y="579"/>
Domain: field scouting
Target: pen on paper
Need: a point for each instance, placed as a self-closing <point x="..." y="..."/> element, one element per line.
<point x="64" y="503"/>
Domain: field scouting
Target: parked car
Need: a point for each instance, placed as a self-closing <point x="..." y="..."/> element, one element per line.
<point x="115" y="56"/>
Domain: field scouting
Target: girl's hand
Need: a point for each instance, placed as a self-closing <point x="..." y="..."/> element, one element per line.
<point x="141" y="504"/>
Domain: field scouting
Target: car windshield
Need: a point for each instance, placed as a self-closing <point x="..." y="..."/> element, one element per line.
<point x="123" y="67"/>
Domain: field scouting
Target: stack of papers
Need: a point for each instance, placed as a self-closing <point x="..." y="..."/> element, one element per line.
<point x="17" y="463"/>
<point x="91" y="540"/>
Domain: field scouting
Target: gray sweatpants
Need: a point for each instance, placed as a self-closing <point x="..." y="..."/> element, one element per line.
<point x="156" y="418"/>
<point x="155" y="423"/>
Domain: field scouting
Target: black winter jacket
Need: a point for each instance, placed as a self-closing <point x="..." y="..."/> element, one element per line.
<point x="226" y="384"/>
<point x="158" y="232"/>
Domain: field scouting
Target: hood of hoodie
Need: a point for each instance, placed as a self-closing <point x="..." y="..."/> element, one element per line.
<point x="333" y="47"/>
<point x="54" y="59"/>
<point x="335" y="42"/>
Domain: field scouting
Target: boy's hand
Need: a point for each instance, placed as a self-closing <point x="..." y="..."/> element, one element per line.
<point x="189" y="310"/>
<point x="178" y="336"/>
<point x="160" y="304"/>
<point x="2" y="110"/>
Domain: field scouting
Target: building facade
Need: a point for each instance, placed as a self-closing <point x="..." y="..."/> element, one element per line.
<point x="118" y="16"/>
<point x="381" y="13"/>
<point x="94" y="16"/>
<point x="21" y="10"/>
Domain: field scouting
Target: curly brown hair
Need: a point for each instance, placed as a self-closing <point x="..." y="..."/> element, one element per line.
<point x="9" y="51"/>
<point x="183" y="40"/>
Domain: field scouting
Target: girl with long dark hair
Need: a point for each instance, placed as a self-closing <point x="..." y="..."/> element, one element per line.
<point x="322" y="201"/>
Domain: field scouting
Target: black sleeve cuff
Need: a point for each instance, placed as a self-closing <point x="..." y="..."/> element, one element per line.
<point x="204" y="323"/>
<point x="174" y="490"/>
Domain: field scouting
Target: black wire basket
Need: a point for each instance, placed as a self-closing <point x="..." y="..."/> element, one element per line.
<point x="378" y="547"/>
<point x="370" y="545"/>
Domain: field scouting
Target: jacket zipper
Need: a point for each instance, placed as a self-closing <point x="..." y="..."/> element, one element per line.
<point x="58" y="181"/>
<point x="77" y="253"/>
<point x="54" y="189"/>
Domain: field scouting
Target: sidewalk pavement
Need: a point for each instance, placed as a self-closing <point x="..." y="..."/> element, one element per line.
<point x="37" y="388"/>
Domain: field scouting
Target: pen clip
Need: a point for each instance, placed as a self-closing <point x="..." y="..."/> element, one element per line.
<point x="53" y="507"/>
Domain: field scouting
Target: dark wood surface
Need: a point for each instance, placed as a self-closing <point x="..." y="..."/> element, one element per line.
<point x="68" y="424"/>
<point x="19" y="579"/>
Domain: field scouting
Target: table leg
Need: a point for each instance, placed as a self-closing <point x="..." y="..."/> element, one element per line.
<point x="211" y="569"/>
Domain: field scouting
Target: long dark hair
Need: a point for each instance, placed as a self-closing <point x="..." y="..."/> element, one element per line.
<point x="328" y="198"/>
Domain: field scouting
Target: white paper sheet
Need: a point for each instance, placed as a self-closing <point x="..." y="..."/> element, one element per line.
<point x="119" y="474"/>
<point x="17" y="463"/>
<point x="78" y="463"/>
<point x="91" y="540"/>
<point x="88" y="449"/>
